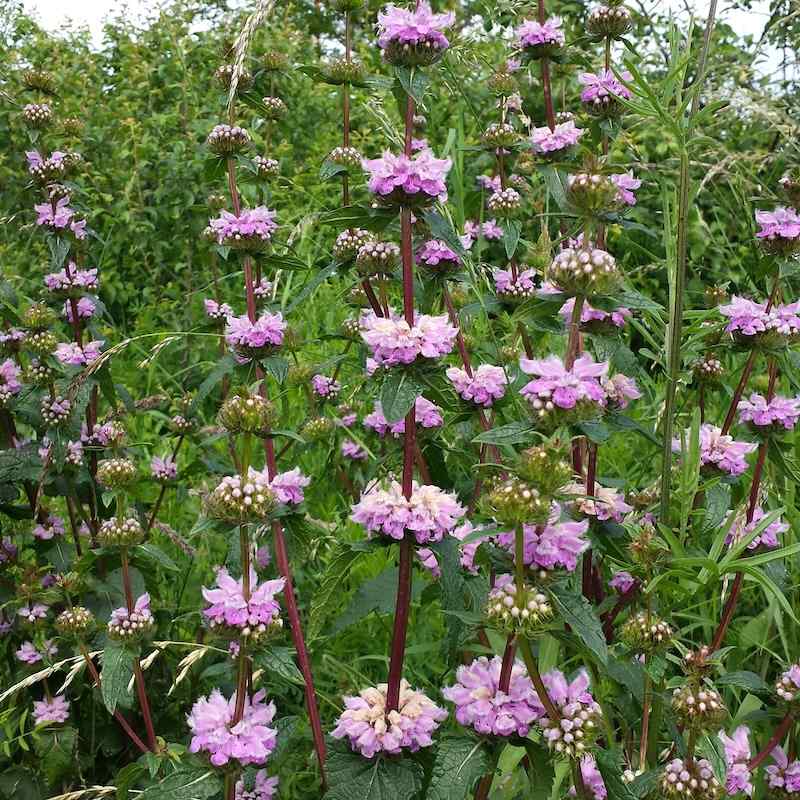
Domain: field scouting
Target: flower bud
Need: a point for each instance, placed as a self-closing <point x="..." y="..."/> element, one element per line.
<point x="249" y="413"/>
<point x="698" y="662"/>
<point x="646" y="633"/>
<point x="514" y="612"/>
<point x="503" y="83"/>
<point x="342" y="71"/>
<point x="37" y="115"/>
<point x="226" y="140"/>
<point x="406" y="54"/>
<point x="357" y="297"/>
<point x="349" y="242"/>
<point x="55" y="410"/>
<point x="72" y="126"/>
<point x="274" y="108"/>
<point x="43" y="343"/>
<point x="787" y="686"/>
<point x="317" y="429"/>
<point x="216" y="201"/>
<point x="116" y="473"/>
<point x="377" y="258"/>
<point x="347" y="157"/>
<point x="238" y="501"/>
<point x="690" y="779"/>
<point x="545" y="467"/>
<point x="591" y="193"/>
<point x="584" y="272"/>
<point x="499" y="135"/>
<point x="577" y="728"/>
<point x="131" y="627"/>
<point x="225" y="73"/>
<point x="275" y="61"/>
<point x="514" y="502"/>
<point x="351" y="328"/>
<point x="39" y="80"/>
<point x="181" y="425"/>
<point x="38" y="317"/>
<point x="118" y="532"/>
<point x="266" y="167"/>
<point x="708" y="369"/>
<point x="505" y="203"/>
<point x="39" y="373"/>
<point x="700" y="708"/>
<point x="790" y="183"/>
<point x="606" y="22"/>
<point x="77" y="622"/>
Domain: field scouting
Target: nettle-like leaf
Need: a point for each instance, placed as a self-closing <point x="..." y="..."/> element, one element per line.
<point x="461" y="761"/>
<point x="399" y="392"/>
<point x="186" y="783"/>
<point x="577" y="612"/>
<point x="116" y="674"/>
<point x="353" y="777"/>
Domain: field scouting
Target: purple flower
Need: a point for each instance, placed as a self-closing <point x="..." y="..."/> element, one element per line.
<point x="393" y="341"/>
<point x="252" y="225"/>
<point x="428" y="561"/>
<point x="564" y="135"/>
<point x="250" y="741"/>
<point x="59" y="217"/>
<point x="422" y="174"/>
<point x="255" y="339"/>
<point x="74" y="355"/>
<point x="353" y="450"/>
<point x="533" y="33"/>
<point x="622" y="582"/>
<point x="85" y="308"/>
<point x="428" y="515"/>
<point x="780" y="412"/>
<point x="607" y="503"/>
<point x="325" y="387"/>
<point x="783" y="774"/>
<point x="8" y="550"/>
<point x="592" y="779"/>
<point x="598" y="87"/>
<point x="163" y="469"/>
<point x="264" y="788"/>
<point x="782" y="223"/>
<point x="486" y="385"/>
<point x="737" y="754"/>
<point x="720" y="451"/>
<point x="33" y="612"/>
<point x="506" y="285"/>
<point x="420" y="26"/>
<point x="228" y="607"/>
<point x="562" y="387"/>
<point x="556" y="544"/>
<point x="618" y="317"/>
<point x="125" y="624"/>
<point x="9" y="379"/>
<point x="469" y="549"/>
<point x="626" y="186"/>
<point x="53" y="710"/>
<point x="480" y="704"/>
<point x="371" y="730"/>
<point x="263" y="557"/>
<point x="746" y="317"/>
<point x="435" y="251"/>
<point x="74" y="278"/>
<point x="573" y="701"/>
<point x="28" y="654"/>
<point x="217" y="311"/>
<point x="491" y="184"/>
<point x="51" y="527"/>
<point x="620" y="390"/>
<point x="288" y="486"/>
<point x="741" y="529"/>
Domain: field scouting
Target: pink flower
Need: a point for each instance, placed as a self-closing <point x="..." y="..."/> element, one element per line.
<point x="592" y="779"/>
<point x="53" y="710"/>
<point x="563" y="136"/>
<point x="264" y="788"/>
<point x="562" y="386"/>
<point x="74" y="278"/>
<point x="746" y="317"/>
<point x="481" y="705"/>
<point x="782" y="223"/>
<point x="622" y="582"/>
<point x="371" y="730"/>
<point x="422" y="174"/>
<point x="9" y="378"/>
<point x="263" y="557"/>
<point x="325" y="387"/>
<point x="620" y="390"/>
<point x="33" y="612"/>
<point x="556" y="544"/>
<point x="505" y="284"/>
<point x="602" y="85"/>
<point x="429" y="514"/>
<point x="393" y="341"/>
<point x="163" y="469"/>
<point x="618" y="317"/>
<point x="741" y="529"/>
<point x="255" y="339"/>
<point x="228" y="607"/>
<point x="485" y="386"/>
<point x="780" y="412"/>
<point x="28" y="654"/>
<point x="250" y="741"/>
<point x="421" y="25"/>
<point x="429" y="562"/>
<point x="434" y="252"/>
<point x="572" y="700"/>
<point x="85" y="307"/>
<point x="737" y="754"/>
<point x="51" y="527"/>
<point x="74" y="355"/>
<point x="59" y="217"/>
<point x="427" y="415"/>
<point x="491" y="184"/>
<point x="469" y="549"/>
<point x="626" y="186"/>
<point x="353" y="450"/>
<point x="123" y="623"/>
<point x="288" y="486"/>
<point x="720" y="451"/>
<point x="257" y="224"/>
<point x="217" y="311"/>
<point x="607" y="502"/>
<point x="783" y="775"/>
<point x="533" y="33"/>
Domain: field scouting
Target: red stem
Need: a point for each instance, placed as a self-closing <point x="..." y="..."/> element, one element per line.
<point x="508" y="664"/>
<point x="775" y="740"/>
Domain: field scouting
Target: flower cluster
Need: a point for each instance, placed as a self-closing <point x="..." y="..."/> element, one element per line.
<point x="780" y="228"/>
<point x="788" y="685"/>
<point x="428" y="515"/>
<point x="737" y="754"/>
<point x="131" y="626"/>
<point x="264" y="787"/>
<point x="602" y="92"/>
<point x="617" y="318"/>
<point x="408" y="180"/>
<point x="325" y="387"/>
<point x="53" y="710"/>
<point x="484" y="387"/>
<point x="393" y="341"/>
<point x="371" y="729"/>
<point x="535" y="34"/>
<point x="556" y="544"/>
<point x="427" y="414"/>
<point x="413" y="37"/>
<point x="546" y="142"/>
<point x="255" y="340"/>
<point x="251" y="229"/>
<point x="748" y="318"/>
<point x="720" y="451"/>
<point x="777" y="413"/>
<point x="253" y="615"/>
<point x="783" y="775"/>
<point x="514" y="287"/>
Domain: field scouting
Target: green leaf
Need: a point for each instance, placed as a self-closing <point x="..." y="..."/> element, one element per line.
<point x="598" y="432"/>
<point x="117" y="672"/>
<point x="460" y="763"/>
<point x="158" y="555"/>
<point x="513" y="433"/>
<point x="442" y="229"/>
<point x="330" y="169"/>
<point x="185" y="784"/>
<point x="623" y="423"/>
<point x="414" y="81"/>
<point x="55" y="751"/>
<point x="581" y="617"/>
<point x="126" y="777"/>
<point x="451" y="582"/>
<point x="744" y="679"/>
<point x="608" y="762"/>
<point x="224" y="367"/>
<point x="555" y="185"/>
<point x="358" y="217"/>
<point x="353" y="777"/>
<point x="281" y="661"/>
<point x="319" y="278"/>
<point x="277" y="367"/>
<point x="511" y="232"/>
<point x="21" y="464"/>
<point x="399" y="392"/>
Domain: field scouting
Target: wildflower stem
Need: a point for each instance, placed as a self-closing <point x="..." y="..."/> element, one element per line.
<point x="160" y="499"/>
<point x="508" y="664"/>
<point x="587" y="579"/>
<point x="574" y="340"/>
<point x="646" y="702"/>
<point x="783" y="726"/>
<point x="536" y="679"/>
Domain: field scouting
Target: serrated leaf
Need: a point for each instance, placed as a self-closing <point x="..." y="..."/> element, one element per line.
<point x="353" y="777"/>
<point x="116" y="674"/>
<point x="358" y="217"/>
<point x="156" y="554"/>
<point x="224" y="367"/>
<point x="511" y="233"/>
<point x="598" y="432"/>
<point x="743" y="679"/>
<point x="451" y="582"/>
<point x="277" y="367"/>
<point x="442" y="229"/>
<point x="311" y="285"/>
<point x="327" y="597"/>
<point x="608" y="762"/>
<point x="330" y="169"/>
<point x="513" y="433"/>
<point x="581" y="617"/>
<point x="399" y="392"/>
<point x="281" y="662"/>
<point x="414" y="81"/>
<point x="460" y="763"/>
<point x="126" y="777"/>
<point x="185" y="784"/>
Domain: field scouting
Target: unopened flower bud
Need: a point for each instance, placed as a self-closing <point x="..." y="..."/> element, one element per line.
<point x="181" y="425"/>
<point x="347" y="157"/>
<point x="545" y="467"/>
<point x="116" y="473"/>
<point x="585" y="272"/>
<point x="690" y="779"/>
<point x="503" y="83"/>
<point x="43" y="343"/>
<point x="118" y="532"/>
<point x="609" y="22"/>
<point x="39" y="80"/>
<point x="708" y="369"/>
<point x="342" y="71"/>
<point x="72" y="126"/>
<point x="37" y="115"/>
<point x="317" y="429"/>
<point x="247" y="413"/>
<point x="225" y="75"/>
<point x="266" y="167"/>
<point x="646" y="633"/>
<point x="225" y="140"/>
<point x="349" y="242"/>
<point x="377" y="258"/>
<point x="505" y="203"/>
<point x="275" y="61"/>
<point x="238" y="500"/>
<point x="77" y="622"/>
<point x="39" y="373"/>
<point x="274" y="108"/>
<point x="38" y="317"/>
<point x="514" y="612"/>
<point x="591" y="192"/>
<point x="699" y="708"/>
<point x="499" y="135"/>
<point x="55" y="410"/>
<point x="516" y="502"/>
